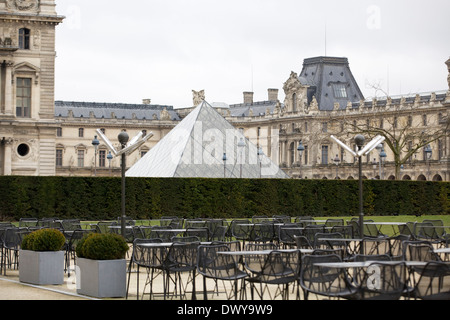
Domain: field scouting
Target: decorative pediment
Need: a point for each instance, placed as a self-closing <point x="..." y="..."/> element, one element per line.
<point x="81" y="146"/>
<point x="26" y="68"/>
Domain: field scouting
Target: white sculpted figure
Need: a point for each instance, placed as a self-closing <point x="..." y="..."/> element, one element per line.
<point x="198" y="97"/>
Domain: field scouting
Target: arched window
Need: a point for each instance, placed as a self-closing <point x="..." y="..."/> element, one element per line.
<point x="294" y="102"/>
<point x="24" y="39"/>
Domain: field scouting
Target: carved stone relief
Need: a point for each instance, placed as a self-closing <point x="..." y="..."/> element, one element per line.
<point x="164" y="115"/>
<point x="23" y="5"/>
<point x="198" y="97"/>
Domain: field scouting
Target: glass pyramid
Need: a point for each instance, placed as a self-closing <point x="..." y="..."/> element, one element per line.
<point x="196" y="147"/>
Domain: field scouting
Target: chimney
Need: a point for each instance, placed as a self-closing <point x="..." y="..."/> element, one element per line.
<point x="248" y="97"/>
<point x="146" y="101"/>
<point x="273" y="94"/>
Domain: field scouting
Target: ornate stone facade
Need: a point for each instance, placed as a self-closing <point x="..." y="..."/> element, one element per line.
<point x="27" y="63"/>
<point x="39" y="136"/>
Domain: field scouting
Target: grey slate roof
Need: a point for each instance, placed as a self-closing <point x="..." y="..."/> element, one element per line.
<point x="258" y="108"/>
<point x="321" y="73"/>
<point x="106" y="110"/>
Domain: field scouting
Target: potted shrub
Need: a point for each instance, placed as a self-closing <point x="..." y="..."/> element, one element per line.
<point x="101" y="265"/>
<point x="41" y="259"/>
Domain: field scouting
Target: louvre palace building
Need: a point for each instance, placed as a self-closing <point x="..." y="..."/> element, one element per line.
<point x="296" y="127"/>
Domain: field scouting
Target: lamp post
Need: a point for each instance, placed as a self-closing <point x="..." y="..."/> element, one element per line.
<point x="109" y="157"/>
<point x="337" y="160"/>
<point x="95" y="143"/>
<point x="383" y="156"/>
<point x="379" y="148"/>
<point x="260" y="154"/>
<point x="224" y="159"/>
<point x="359" y="140"/>
<point x="241" y="147"/>
<point x="123" y="140"/>
<point x="428" y="153"/>
<point x="127" y="148"/>
<point x="300" y="150"/>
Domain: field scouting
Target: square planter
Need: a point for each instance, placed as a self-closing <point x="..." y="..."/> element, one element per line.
<point x="101" y="278"/>
<point x="41" y="268"/>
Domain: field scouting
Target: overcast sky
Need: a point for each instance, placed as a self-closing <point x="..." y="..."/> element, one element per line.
<point x="125" y="51"/>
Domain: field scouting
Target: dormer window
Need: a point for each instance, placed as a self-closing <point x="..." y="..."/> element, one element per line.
<point x="24" y="39"/>
<point x="339" y="90"/>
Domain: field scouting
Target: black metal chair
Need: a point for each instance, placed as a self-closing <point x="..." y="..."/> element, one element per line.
<point x="213" y="265"/>
<point x="216" y="229"/>
<point x="419" y="251"/>
<point x="28" y="222"/>
<point x="278" y="268"/>
<point x="310" y="232"/>
<point x="376" y="246"/>
<point x="330" y="223"/>
<point x="331" y="241"/>
<point x="181" y="258"/>
<point x="201" y="233"/>
<point x="11" y="242"/>
<point x="429" y="230"/>
<point x="372" y="230"/>
<point x="381" y="281"/>
<point x="103" y="226"/>
<point x="346" y="231"/>
<point x="151" y="259"/>
<point x="281" y="219"/>
<point x="242" y="229"/>
<point x="263" y="232"/>
<point x="434" y="282"/>
<point x="219" y="233"/>
<point x="325" y="281"/>
<point x="302" y="242"/>
<point x="164" y="233"/>
<point x="396" y="246"/>
<point x="287" y="233"/>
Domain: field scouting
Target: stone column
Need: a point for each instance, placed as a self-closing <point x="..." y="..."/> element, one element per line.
<point x="9" y="108"/>
<point x="47" y="7"/>
<point x="7" y="156"/>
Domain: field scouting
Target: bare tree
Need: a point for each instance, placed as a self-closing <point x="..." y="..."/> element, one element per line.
<point x="406" y="125"/>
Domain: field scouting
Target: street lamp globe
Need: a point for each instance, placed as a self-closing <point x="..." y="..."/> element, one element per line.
<point x="123" y="138"/>
<point x="383" y="155"/>
<point x="241" y="144"/>
<point x="95" y="142"/>
<point x="379" y="148"/>
<point x="300" y="148"/>
<point x="359" y="140"/>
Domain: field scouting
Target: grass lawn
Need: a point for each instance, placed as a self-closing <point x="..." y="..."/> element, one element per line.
<point x="388" y="229"/>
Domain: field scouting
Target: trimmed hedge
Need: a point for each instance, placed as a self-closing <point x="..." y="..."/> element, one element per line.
<point x="44" y="240"/>
<point x="102" y="246"/>
<point x="89" y="198"/>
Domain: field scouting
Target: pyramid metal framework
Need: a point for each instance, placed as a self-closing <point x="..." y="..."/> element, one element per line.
<point x="196" y="147"/>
